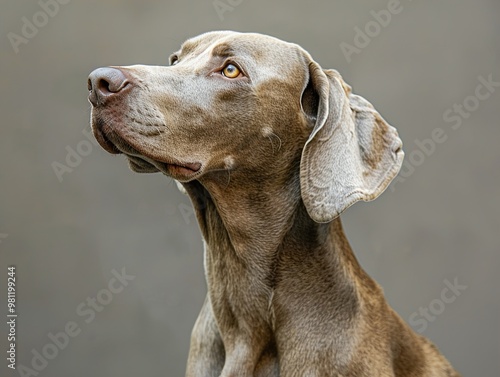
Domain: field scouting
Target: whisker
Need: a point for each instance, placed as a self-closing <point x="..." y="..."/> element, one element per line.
<point x="228" y="177"/>
<point x="271" y="140"/>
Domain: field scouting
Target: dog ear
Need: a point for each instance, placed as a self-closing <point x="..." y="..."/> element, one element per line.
<point x="352" y="153"/>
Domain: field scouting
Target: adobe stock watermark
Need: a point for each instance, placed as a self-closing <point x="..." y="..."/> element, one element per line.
<point x="187" y="212"/>
<point x="87" y="312"/>
<point x="31" y="26"/>
<point x="74" y="155"/>
<point x="420" y="319"/>
<point x="223" y="6"/>
<point x="455" y="116"/>
<point x="372" y="29"/>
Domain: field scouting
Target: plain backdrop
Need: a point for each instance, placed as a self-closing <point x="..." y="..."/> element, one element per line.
<point x="437" y="225"/>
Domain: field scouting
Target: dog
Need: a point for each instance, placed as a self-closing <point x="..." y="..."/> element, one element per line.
<point x="271" y="149"/>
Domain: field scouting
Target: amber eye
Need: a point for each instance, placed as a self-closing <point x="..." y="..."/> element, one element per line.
<point x="231" y="71"/>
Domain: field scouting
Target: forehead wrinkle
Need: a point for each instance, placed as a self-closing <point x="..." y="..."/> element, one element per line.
<point x="223" y="50"/>
<point x="203" y="41"/>
<point x="188" y="47"/>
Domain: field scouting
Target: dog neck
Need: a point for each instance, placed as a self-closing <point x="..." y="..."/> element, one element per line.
<point x="251" y="231"/>
<point x="264" y="255"/>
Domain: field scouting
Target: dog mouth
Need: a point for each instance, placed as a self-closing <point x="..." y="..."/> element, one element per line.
<point x="182" y="172"/>
<point x="140" y="157"/>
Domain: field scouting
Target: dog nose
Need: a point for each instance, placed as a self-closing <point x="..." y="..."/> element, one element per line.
<point x="104" y="83"/>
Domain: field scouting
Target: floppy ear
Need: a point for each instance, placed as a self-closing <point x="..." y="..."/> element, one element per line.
<point x="352" y="153"/>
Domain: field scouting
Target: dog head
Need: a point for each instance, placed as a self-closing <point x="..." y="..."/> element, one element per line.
<point x="252" y="105"/>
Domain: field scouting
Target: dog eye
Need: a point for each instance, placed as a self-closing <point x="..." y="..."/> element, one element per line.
<point x="174" y="59"/>
<point x="231" y="71"/>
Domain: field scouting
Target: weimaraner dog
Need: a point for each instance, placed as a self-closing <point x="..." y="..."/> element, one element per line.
<point x="270" y="148"/>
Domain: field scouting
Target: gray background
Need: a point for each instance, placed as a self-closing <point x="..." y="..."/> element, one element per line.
<point x="66" y="237"/>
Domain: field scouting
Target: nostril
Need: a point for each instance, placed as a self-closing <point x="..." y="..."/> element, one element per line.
<point x="105" y="82"/>
<point x="103" y="86"/>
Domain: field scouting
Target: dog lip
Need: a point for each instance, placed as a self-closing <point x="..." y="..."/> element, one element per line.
<point x="123" y="144"/>
<point x="182" y="171"/>
<point x="190" y="166"/>
<point x="177" y="171"/>
<point x="104" y="142"/>
<point x="172" y="166"/>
